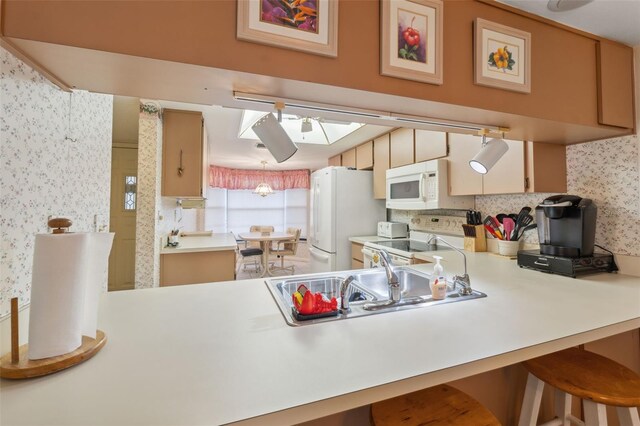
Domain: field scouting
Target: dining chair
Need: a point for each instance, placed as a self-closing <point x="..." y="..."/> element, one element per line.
<point x="288" y="248"/>
<point x="252" y="250"/>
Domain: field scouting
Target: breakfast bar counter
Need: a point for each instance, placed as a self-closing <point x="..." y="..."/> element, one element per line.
<point x="222" y="353"/>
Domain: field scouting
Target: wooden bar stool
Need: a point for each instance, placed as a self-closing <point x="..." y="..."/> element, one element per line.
<point x="439" y="405"/>
<point x="597" y="380"/>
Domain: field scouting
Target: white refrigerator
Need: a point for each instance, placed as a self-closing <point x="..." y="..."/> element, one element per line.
<point x="341" y="206"/>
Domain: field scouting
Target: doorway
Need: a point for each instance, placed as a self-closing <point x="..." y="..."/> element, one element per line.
<point x="124" y="180"/>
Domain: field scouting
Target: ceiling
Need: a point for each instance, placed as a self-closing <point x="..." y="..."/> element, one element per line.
<point x="225" y="148"/>
<point x="613" y="19"/>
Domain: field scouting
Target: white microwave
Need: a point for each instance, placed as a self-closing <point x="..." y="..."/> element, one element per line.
<point x="423" y="186"/>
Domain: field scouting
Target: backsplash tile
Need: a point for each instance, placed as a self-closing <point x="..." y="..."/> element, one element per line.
<point x="43" y="173"/>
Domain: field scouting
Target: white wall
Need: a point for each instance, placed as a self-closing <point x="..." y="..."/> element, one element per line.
<point x="41" y="172"/>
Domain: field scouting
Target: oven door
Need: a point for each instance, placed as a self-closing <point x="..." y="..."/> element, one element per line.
<point x="371" y="258"/>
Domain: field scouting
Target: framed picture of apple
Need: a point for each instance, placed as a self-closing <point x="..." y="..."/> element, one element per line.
<point x="411" y="44"/>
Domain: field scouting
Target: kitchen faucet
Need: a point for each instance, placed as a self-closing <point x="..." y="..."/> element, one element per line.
<point x="392" y="278"/>
<point x="458" y="280"/>
<point x="344" y="299"/>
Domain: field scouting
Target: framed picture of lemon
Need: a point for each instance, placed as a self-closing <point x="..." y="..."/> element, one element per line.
<point x="411" y="45"/>
<point x="502" y="56"/>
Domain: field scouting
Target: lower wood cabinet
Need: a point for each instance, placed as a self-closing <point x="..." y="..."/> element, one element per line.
<point x="357" y="260"/>
<point x="197" y="267"/>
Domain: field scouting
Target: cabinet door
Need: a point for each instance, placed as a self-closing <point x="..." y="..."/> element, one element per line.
<point x="402" y="147"/>
<point x="336" y="160"/>
<point x="349" y="158"/>
<point x="182" y="153"/>
<point x="197" y="267"/>
<point x="546" y="167"/>
<point x="462" y="179"/>
<point x="430" y="145"/>
<point x="615" y="84"/>
<point x="507" y="175"/>
<point x="364" y="156"/>
<point x="380" y="166"/>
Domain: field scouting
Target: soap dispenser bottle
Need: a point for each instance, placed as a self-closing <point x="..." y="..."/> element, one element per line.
<point x="438" y="281"/>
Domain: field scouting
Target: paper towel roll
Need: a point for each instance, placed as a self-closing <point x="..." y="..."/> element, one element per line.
<point x="68" y="273"/>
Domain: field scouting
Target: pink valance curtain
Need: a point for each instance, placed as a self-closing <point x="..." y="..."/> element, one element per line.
<point x="222" y="177"/>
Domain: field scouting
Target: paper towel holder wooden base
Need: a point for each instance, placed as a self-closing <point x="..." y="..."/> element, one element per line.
<point x="17" y="365"/>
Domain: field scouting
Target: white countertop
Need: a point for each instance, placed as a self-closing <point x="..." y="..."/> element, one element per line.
<point x="193" y="243"/>
<point x="368" y="238"/>
<point x="220" y="353"/>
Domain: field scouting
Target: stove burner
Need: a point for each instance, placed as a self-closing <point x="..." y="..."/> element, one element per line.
<point x="409" y="245"/>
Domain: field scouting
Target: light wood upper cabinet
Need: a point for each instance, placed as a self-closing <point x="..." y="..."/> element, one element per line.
<point x="349" y="158"/>
<point x="462" y="179"/>
<point x="546" y="167"/>
<point x="380" y="166"/>
<point x="364" y="156"/>
<point x="507" y="175"/>
<point x="525" y="167"/>
<point x="402" y="147"/>
<point x="430" y="145"/>
<point x="615" y="84"/>
<point x="182" y="153"/>
<point x="336" y="160"/>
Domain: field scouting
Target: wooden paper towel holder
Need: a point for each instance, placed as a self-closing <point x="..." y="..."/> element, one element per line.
<point x="17" y="365"/>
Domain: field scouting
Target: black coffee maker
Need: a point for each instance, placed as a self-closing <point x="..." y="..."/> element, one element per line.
<point x="566" y="226"/>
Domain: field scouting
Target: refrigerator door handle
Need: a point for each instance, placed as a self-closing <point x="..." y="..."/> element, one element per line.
<point x="315" y="211"/>
<point x="317" y="254"/>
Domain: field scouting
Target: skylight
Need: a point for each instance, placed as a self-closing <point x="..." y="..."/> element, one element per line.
<point x="320" y="131"/>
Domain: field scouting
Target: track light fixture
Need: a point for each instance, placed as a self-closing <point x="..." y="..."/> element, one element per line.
<point x="491" y="151"/>
<point x="273" y="136"/>
<point x="306" y="126"/>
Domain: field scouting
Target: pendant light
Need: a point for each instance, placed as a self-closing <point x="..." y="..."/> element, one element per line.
<point x="263" y="189"/>
<point x="489" y="154"/>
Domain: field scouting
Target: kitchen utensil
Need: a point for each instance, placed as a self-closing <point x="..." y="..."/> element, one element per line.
<point x="525" y="229"/>
<point x="513" y="216"/>
<point x="501" y="217"/>
<point x="474" y="217"/>
<point x="521" y="215"/>
<point x="508" y="225"/>
<point x="492" y="228"/>
<point x="469" y="230"/>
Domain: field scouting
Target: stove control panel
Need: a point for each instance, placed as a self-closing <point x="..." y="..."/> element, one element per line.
<point x="440" y="224"/>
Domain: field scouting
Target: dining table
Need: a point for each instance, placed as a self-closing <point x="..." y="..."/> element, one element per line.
<point x="266" y="239"/>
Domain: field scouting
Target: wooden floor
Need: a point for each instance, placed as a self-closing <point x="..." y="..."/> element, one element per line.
<point x="300" y="261"/>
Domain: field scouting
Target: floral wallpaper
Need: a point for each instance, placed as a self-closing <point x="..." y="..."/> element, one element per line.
<point x="149" y="203"/>
<point x="56" y="161"/>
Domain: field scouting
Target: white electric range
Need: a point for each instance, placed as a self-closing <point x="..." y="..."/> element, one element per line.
<point x="402" y="251"/>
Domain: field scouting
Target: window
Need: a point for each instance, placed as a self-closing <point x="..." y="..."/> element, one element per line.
<point x="130" y="189"/>
<point x="236" y="210"/>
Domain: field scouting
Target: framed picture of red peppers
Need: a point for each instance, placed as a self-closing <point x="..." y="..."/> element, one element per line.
<point x="307" y="25"/>
<point x="502" y="56"/>
<point x="412" y="39"/>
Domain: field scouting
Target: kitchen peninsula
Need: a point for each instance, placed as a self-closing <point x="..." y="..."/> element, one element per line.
<point x="198" y="258"/>
<point x="222" y="353"/>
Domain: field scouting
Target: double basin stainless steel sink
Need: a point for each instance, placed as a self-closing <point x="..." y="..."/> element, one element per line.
<point x="368" y="293"/>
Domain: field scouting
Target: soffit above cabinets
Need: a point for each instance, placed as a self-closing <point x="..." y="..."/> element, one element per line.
<point x="105" y="72"/>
